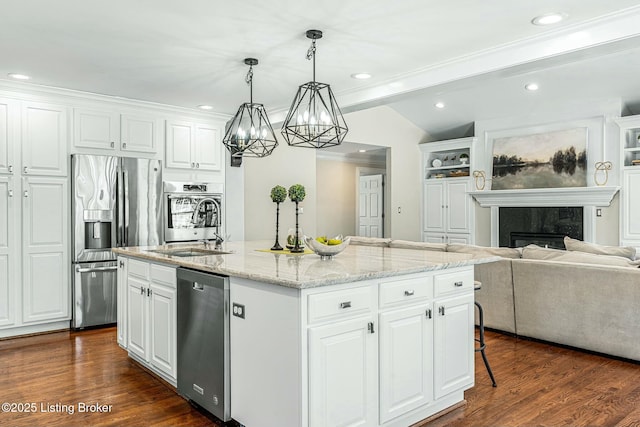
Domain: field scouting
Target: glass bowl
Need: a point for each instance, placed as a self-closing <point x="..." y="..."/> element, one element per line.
<point x="326" y="251"/>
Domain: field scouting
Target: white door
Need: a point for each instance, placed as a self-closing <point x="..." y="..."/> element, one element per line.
<point x="7" y="135"/>
<point x="46" y="264"/>
<point x="454" y="344"/>
<point x="458" y="207"/>
<point x="123" y="264"/>
<point x="163" y="323"/>
<point x="631" y="205"/>
<point x="137" y="309"/>
<point x="44" y="140"/>
<point x="371" y="214"/>
<point x="139" y="133"/>
<point x="434" y="206"/>
<point x="96" y="129"/>
<point x="406" y="360"/>
<point x="207" y="148"/>
<point x="8" y="248"/>
<point x="343" y="371"/>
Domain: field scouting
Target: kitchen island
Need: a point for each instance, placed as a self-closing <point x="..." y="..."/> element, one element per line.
<point x="376" y="336"/>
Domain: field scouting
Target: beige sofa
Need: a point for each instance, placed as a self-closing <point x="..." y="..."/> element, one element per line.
<point x="580" y="299"/>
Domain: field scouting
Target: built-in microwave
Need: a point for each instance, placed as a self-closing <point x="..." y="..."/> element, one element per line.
<point x="192" y="211"/>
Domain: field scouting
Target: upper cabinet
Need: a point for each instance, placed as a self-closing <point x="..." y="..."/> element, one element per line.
<point x="128" y="134"/>
<point x="630" y="162"/>
<point x="44" y="139"/>
<point x="8" y="110"/>
<point x="193" y="146"/>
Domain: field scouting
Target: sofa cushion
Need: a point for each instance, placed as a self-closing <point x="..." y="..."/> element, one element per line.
<point x="410" y="244"/>
<point x="593" y="248"/>
<point x="369" y="241"/>
<point x="483" y="251"/>
<point x="547" y="254"/>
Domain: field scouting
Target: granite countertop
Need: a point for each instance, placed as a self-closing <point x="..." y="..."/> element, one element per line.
<point x="355" y="263"/>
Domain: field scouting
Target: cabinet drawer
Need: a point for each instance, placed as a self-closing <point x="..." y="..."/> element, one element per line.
<point x="138" y="268"/>
<point x="451" y="283"/>
<point x="406" y="291"/>
<point x="163" y="275"/>
<point x="336" y="304"/>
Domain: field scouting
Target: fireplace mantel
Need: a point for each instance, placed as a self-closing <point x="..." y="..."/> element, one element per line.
<point x="569" y="196"/>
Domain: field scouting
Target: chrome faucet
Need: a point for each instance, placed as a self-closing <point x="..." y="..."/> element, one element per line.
<point x="197" y="208"/>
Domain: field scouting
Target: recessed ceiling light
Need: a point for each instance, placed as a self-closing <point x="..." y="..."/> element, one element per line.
<point x="531" y="86"/>
<point x="548" y="18"/>
<point x="439" y="104"/>
<point x="205" y="107"/>
<point x="18" y="76"/>
<point x="361" y="76"/>
<point x="362" y="151"/>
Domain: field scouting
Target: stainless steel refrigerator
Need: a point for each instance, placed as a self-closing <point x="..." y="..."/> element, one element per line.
<point x="117" y="201"/>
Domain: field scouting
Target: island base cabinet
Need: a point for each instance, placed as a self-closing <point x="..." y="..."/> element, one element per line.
<point x="406" y="360"/>
<point x="123" y="292"/>
<point x="454" y="341"/>
<point x="343" y="374"/>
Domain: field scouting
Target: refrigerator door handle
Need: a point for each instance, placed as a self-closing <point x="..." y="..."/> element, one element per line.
<point x="125" y="175"/>
<point x="120" y="204"/>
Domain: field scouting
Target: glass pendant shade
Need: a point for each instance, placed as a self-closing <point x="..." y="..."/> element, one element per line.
<point x="314" y="119"/>
<point x="250" y="133"/>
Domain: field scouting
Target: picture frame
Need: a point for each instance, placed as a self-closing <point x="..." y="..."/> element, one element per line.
<point x="543" y="156"/>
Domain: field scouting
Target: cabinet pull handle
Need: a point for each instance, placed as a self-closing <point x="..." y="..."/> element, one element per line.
<point x="25" y="170"/>
<point x="26" y="193"/>
<point x="408" y="293"/>
<point x="428" y="313"/>
<point x="121" y="264"/>
<point x="10" y="168"/>
<point x="141" y="290"/>
<point x="441" y="310"/>
<point x="124" y="145"/>
<point x="149" y="292"/>
<point x="10" y="193"/>
<point x="197" y="165"/>
<point x="458" y="284"/>
<point x="193" y="164"/>
<point x="345" y="304"/>
<point x="370" y="328"/>
<point x="113" y="144"/>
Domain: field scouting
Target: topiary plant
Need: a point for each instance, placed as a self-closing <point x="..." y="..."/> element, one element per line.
<point x="278" y="194"/>
<point x="296" y="193"/>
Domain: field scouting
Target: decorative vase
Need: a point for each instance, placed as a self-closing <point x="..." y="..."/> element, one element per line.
<point x="276" y="245"/>
<point x="296" y="247"/>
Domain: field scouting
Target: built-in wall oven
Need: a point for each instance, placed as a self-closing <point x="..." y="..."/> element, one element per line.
<point x="192" y="211"/>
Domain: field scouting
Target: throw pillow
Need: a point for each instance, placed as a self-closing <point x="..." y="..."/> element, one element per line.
<point x="593" y="248"/>
<point x="547" y="254"/>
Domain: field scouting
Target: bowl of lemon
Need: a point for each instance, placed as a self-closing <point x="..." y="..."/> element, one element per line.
<point x="327" y="247"/>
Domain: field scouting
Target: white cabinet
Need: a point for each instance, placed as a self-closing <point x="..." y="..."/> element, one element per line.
<point x="9" y="256"/>
<point x="630" y="166"/>
<point x="8" y="120"/>
<point x="447" y="210"/>
<point x="122" y="307"/>
<point x="343" y="374"/>
<point x="193" y="146"/>
<point x="44" y="139"/>
<point x="152" y="316"/>
<point x="116" y="133"/>
<point x="447" y="207"/>
<point x="45" y="251"/>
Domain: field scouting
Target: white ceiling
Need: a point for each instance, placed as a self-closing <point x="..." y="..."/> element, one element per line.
<point x="470" y="54"/>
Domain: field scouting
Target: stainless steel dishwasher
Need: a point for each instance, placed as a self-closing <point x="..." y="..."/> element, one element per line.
<point x="203" y="341"/>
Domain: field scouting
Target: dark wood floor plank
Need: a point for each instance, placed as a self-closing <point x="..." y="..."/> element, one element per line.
<point x="538" y="384"/>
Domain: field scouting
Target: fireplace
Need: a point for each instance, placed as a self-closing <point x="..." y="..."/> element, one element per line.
<point x="543" y="226"/>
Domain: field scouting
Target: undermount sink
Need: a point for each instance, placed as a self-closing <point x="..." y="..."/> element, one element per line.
<point x="187" y="252"/>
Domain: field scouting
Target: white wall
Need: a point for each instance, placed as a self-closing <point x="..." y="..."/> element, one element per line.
<point x="336" y="184"/>
<point x="287" y="165"/>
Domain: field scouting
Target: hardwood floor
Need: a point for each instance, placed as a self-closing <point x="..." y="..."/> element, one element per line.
<point x="538" y="384"/>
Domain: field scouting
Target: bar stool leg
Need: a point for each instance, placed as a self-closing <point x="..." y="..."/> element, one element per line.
<point x="482" y="344"/>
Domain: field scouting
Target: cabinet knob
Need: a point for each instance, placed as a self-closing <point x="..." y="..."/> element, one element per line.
<point x="113" y="144"/>
<point x="26" y="193"/>
<point x="193" y="164"/>
<point x="124" y="145"/>
<point x="197" y="165"/>
<point x="10" y="193"/>
<point x="24" y="170"/>
<point x="10" y="168"/>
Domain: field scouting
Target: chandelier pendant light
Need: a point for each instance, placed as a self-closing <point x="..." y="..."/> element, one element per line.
<point x="250" y="133"/>
<point x="314" y="119"/>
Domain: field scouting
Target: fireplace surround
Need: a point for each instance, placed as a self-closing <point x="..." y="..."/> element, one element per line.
<point x="540" y="225"/>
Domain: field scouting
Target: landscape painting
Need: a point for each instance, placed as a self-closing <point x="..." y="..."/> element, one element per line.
<point x="545" y="160"/>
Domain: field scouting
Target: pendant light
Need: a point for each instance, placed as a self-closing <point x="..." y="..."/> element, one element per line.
<point x="314" y="119"/>
<point x="250" y="133"/>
